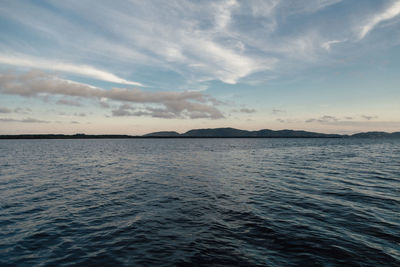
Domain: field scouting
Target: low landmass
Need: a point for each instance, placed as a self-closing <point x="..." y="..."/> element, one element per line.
<point x="377" y="135"/>
<point x="211" y="133"/>
<point x="163" y="134"/>
<point x="231" y="132"/>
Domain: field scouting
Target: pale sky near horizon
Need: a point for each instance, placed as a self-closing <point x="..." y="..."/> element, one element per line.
<point x="133" y="67"/>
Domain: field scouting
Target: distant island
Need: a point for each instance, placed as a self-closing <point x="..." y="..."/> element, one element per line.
<point x="211" y="133"/>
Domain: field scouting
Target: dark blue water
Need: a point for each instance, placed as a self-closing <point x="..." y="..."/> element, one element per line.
<point x="267" y="202"/>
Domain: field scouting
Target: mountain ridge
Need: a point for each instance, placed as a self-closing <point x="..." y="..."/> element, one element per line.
<point x="226" y="132"/>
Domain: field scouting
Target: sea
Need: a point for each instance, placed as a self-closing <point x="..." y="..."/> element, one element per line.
<point x="200" y="202"/>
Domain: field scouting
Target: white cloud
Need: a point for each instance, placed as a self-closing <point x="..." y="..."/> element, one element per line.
<point x="389" y="13"/>
<point x="226" y="64"/>
<point x="327" y="45"/>
<point x="223" y="17"/>
<point x="311" y="5"/>
<point x="225" y="40"/>
<point x="263" y="8"/>
<point x="184" y="34"/>
<point x="176" y="104"/>
<point x="81" y="70"/>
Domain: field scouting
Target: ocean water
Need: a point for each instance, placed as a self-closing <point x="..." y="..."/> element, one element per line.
<point x="235" y="202"/>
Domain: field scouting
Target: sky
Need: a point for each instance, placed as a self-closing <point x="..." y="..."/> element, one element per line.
<point x="134" y="67"/>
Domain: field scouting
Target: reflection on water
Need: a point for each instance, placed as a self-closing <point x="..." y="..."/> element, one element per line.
<point x="274" y="202"/>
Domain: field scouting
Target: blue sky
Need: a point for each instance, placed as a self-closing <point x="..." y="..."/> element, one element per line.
<point x="132" y="67"/>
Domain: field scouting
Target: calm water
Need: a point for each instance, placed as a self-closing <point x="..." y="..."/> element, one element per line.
<point x="271" y="202"/>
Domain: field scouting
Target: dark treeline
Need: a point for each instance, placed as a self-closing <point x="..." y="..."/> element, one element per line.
<point x="64" y="136"/>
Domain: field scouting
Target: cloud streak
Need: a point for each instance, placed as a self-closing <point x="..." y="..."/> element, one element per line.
<point x="323" y="119"/>
<point x="81" y="70"/>
<point x="347" y="120"/>
<point x="327" y="45"/>
<point x="27" y="120"/>
<point x="387" y="14"/>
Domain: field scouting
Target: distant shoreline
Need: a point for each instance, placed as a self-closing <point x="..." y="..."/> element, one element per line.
<point x="4" y="137"/>
<point x="209" y="133"/>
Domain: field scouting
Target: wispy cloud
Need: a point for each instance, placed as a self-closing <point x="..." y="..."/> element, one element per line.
<point x="247" y="110"/>
<point x="16" y="110"/>
<point x="347" y="120"/>
<point x="128" y="110"/>
<point x="323" y="119"/>
<point x="291" y="120"/>
<point x="5" y="110"/>
<point x="310" y="6"/>
<point x="327" y="45"/>
<point x="80" y="70"/>
<point x="22" y="110"/>
<point x="368" y="118"/>
<point x="278" y="111"/>
<point x="69" y="102"/>
<point x="165" y="113"/>
<point x="27" y="120"/>
<point x="389" y="13"/>
<point x="226" y="40"/>
<point x="123" y="110"/>
<point x="103" y="102"/>
<point x="223" y="17"/>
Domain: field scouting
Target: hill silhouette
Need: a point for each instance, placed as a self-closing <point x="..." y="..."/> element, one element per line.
<point x="212" y="133"/>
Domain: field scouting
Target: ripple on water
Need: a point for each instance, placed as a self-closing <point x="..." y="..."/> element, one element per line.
<point x="274" y="202"/>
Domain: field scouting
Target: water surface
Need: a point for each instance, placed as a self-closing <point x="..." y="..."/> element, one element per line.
<point x="267" y="202"/>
